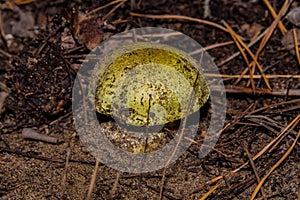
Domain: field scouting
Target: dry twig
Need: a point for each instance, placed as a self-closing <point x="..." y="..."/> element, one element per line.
<point x="30" y="133"/>
<point x="64" y="176"/>
<point x="254" y="170"/>
<point x="115" y="186"/>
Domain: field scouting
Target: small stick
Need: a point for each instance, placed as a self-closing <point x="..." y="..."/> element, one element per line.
<point x="115" y="186"/>
<point x="254" y="170"/>
<point x="6" y="53"/>
<point x="30" y="133"/>
<point x="93" y="180"/>
<point x="64" y="176"/>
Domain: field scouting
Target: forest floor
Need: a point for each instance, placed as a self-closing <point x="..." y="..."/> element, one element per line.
<point x="42" y="46"/>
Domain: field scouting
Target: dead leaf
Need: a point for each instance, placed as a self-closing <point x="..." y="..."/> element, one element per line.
<point x="90" y="32"/>
<point x="294" y="16"/>
<point x="67" y="40"/>
<point x="288" y="41"/>
<point x="86" y="29"/>
<point x="252" y="31"/>
<point x="24" y="26"/>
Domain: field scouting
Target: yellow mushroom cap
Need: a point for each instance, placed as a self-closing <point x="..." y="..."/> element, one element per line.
<point x="146" y="84"/>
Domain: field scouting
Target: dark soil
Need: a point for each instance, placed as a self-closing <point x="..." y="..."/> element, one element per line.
<point x="39" y="61"/>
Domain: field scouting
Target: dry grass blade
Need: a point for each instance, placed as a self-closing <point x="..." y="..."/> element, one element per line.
<point x="274" y="167"/>
<point x="272" y="28"/>
<point x="115" y="186"/>
<point x="236" y="40"/>
<point x="268" y="76"/>
<point x="210" y="191"/>
<point x="255" y="61"/>
<point x="102" y="7"/>
<point x="264" y="41"/>
<point x="259" y="91"/>
<point x="227" y="126"/>
<point x="5" y="53"/>
<point x="274" y="15"/>
<point x="268" y="146"/>
<point x="254" y="170"/>
<point x="22" y="2"/>
<point x="2" y="32"/>
<point x="269" y="123"/>
<point x="180" y="17"/>
<point x="262" y="151"/>
<point x="274" y="106"/>
<point x="258" y="65"/>
<point x="242" y="75"/>
<point x="105" y="17"/>
<point x="213" y="46"/>
<point x="174" y="151"/>
<point x="3" y="96"/>
<point x="296" y="45"/>
<point x="238" y="53"/>
<point x="267" y="36"/>
<point x="288" y="129"/>
<point x="262" y="91"/>
<point x="64" y="176"/>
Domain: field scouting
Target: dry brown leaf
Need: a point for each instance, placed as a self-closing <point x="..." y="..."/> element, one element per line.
<point x="67" y="40"/>
<point x="294" y="16"/>
<point x="24" y="26"/>
<point x="90" y="32"/>
<point x="86" y="29"/>
<point x="288" y="41"/>
<point x="254" y="31"/>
